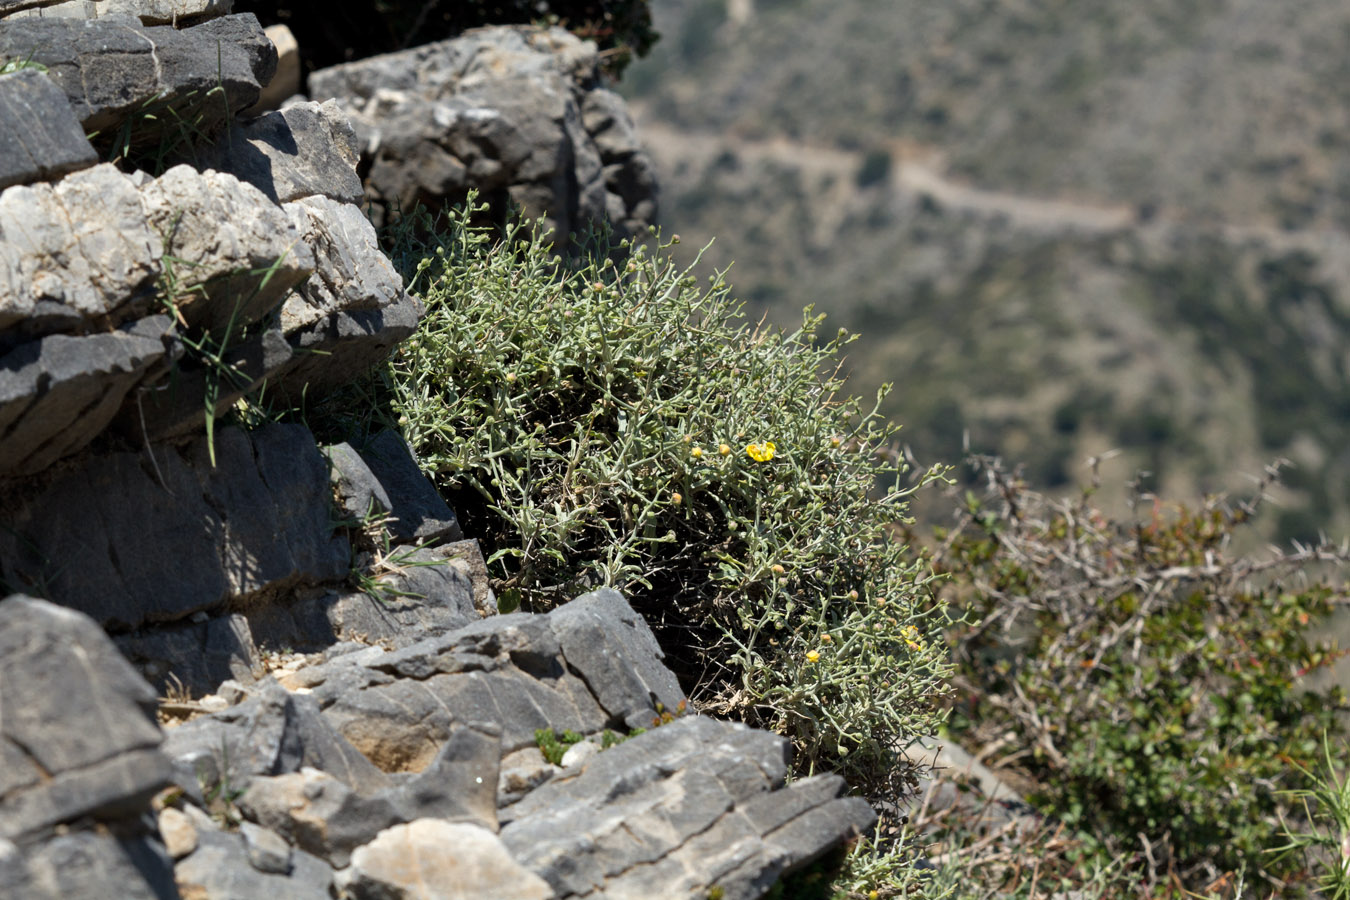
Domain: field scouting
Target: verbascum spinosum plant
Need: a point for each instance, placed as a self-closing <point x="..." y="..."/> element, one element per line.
<point x="610" y="419"/>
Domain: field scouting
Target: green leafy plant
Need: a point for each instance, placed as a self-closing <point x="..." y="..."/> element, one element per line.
<point x="554" y="745"/>
<point x="1149" y="683"/>
<point x="606" y="420"/>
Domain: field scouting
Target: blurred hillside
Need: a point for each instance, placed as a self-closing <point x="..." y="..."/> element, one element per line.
<point x="1063" y="227"/>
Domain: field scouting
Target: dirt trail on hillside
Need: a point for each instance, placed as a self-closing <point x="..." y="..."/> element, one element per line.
<point x="918" y="172"/>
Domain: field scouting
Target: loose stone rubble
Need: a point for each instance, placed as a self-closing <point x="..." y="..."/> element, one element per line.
<point x="259" y="666"/>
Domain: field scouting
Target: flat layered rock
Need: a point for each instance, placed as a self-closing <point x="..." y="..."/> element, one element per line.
<point x="232" y="252"/>
<point x="134" y="83"/>
<point x="94" y="247"/>
<point x="134" y="538"/>
<point x="304" y="150"/>
<point x="702" y="806"/>
<point x="40" y="138"/>
<point x="149" y="12"/>
<point x="222" y="868"/>
<point x="430" y="859"/>
<point x="75" y="251"/>
<point x="60" y="392"/>
<point x="79" y="762"/>
<point x="352" y="312"/>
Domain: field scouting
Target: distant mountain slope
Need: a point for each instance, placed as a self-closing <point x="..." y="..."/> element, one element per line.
<point x="1060" y="226"/>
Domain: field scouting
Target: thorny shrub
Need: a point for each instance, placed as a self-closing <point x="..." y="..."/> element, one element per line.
<point x="1148" y="682"/>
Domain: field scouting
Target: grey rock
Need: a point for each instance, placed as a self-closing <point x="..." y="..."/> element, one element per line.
<point x="351" y="272"/>
<point x="420" y="513"/>
<point x="15" y="880"/>
<point x="499" y="110"/>
<point x="79" y="736"/>
<point x="150" y="12"/>
<point x="274" y="733"/>
<point x="59" y="392"/>
<point x="579" y="753"/>
<point x="271" y="486"/>
<point x="516" y="670"/>
<point x="324" y="816"/>
<point x="175" y="407"/>
<point x="420" y="601"/>
<point x="239" y="253"/>
<point x="91" y="248"/>
<point x="115" y="70"/>
<point x="286" y="82"/>
<point x="360" y="494"/>
<point x="125" y="538"/>
<point x="267" y="852"/>
<point x="40" y="138"/>
<point x="402" y="723"/>
<point x="430" y="859"/>
<point x="613" y="650"/>
<point x="85" y="865"/>
<point x="335" y="349"/>
<point x="75" y="251"/>
<point x="194" y="657"/>
<point x="521" y="772"/>
<point x="155" y="537"/>
<point x="676" y="811"/>
<point x="304" y="150"/>
<point x="115" y="788"/>
<point x="220" y="869"/>
<point x="70" y="699"/>
<point x="178" y="832"/>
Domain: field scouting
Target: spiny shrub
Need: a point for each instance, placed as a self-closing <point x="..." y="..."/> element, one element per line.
<point x="1149" y="682"/>
<point x="606" y="420"/>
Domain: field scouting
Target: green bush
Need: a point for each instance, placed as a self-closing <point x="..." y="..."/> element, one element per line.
<point x="605" y="420"/>
<point x="1150" y="684"/>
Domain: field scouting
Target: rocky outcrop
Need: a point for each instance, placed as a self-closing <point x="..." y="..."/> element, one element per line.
<point x="265" y="667"/>
<point x="516" y="114"/>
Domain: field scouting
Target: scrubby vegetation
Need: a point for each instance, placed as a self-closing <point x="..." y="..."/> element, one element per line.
<point x="1148" y="683"/>
<point x="608" y="419"/>
<point x="611" y="418"/>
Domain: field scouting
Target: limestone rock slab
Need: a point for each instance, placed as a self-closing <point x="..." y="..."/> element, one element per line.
<point x="351" y="272"/>
<point x="419" y="512"/>
<point x="79" y="736"/>
<point x="304" y="150"/>
<point x="430" y="859"/>
<point x="149" y="12"/>
<point x="322" y="815"/>
<point x="234" y="254"/>
<point x="40" y="138"/>
<point x="115" y="70"/>
<point x="59" y="392"/>
<point x="132" y="538"/>
<point x="220" y="869"/>
<point x="76" y="250"/>
<point x="677" y="811"/>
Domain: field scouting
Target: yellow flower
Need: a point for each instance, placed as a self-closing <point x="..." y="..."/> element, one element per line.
<point x="761" y="452"/>
<point x="724" y="449"/>
<point x="812" y="656"/>
<point x="696" y="453"/>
